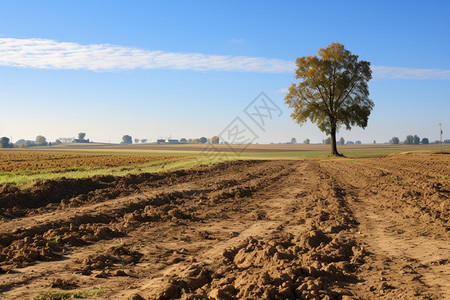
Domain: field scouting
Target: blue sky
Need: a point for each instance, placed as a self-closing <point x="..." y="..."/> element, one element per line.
<point x="188" y="68"/>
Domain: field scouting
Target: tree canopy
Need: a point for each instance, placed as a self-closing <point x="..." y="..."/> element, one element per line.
<point x="41" y="140"/>
<point x="81" y="136"/>
<point x="215" y="139"/>
<point x="332" y="91"/>
<point x="126" y="139"/>
<point x="395" y="140"/>
<point x="4" y="142"/>
<point x="409" y="140"/>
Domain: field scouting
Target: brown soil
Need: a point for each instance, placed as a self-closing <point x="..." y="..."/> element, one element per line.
<point x="367" y="229"/>
<point x="32" y="160"/>
<point x="253" y="148"/>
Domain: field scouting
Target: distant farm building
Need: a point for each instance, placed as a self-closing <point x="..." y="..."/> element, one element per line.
<point x="80" y="141"/>
<point x="169" y="141"/>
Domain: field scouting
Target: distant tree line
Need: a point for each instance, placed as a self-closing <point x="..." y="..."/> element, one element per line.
<point x="415" y="140"/>
<point x="41" y="140"/>
<point x="341" y="141"/>
<point x="127" y="139"/>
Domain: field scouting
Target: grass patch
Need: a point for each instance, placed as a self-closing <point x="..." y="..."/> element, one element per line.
<point x="56" y="295"/>
<point x="372" y="153"/>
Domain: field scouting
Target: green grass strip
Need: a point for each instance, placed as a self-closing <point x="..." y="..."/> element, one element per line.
<point x="56" y="295"/>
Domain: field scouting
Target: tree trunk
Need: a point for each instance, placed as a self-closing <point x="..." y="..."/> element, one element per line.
<point x="334" y="150"/>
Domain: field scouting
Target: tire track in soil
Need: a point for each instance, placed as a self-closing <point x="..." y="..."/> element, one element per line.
<point x="246" y="182"/>
<point x="259" y="230"/>
<point x="114" y="208"/>
<point x="247" y="229"/>
<point x="422" y="259"/>
<point x="403" y="264"/>
<point x="264" y="266"/>
<point x="228" y="216"/>
<point x="50" y="195"/>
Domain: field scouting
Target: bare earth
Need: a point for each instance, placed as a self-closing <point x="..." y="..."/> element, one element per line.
<point x="367" y="229"/>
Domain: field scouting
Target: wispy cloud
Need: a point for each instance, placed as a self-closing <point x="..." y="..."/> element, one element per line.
<point x="380" y="72"/>
<point x="238" y="41"/>
<point x="282" y="91"/>
<point x="50" y="54"/>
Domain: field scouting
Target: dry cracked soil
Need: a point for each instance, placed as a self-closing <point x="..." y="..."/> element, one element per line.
<point x="335" y="229"/>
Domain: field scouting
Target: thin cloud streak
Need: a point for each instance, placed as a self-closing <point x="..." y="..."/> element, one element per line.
<point x="380" y="72"/>
<point x="238" y="41"/>
<point x="50" y="54"/>
<point x="282" y="91"/>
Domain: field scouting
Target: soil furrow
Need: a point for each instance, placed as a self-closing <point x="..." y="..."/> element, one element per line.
<point x="334" y="229"/>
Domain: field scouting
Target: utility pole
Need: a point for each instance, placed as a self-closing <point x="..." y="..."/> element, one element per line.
<point x="440" y="137"/>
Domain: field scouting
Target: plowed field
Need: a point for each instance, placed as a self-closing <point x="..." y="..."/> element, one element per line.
<point x="343" y="229"/>
<point x="13" y="161"/>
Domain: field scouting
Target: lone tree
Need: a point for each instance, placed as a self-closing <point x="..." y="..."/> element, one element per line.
<point x="41" y="140"/>
<point x="4" y="141"/>
<point x="126" y="139"/>
<point x="395" y="140"/>
<point x="332" y="91"/>
<point x="215" y="139"/>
